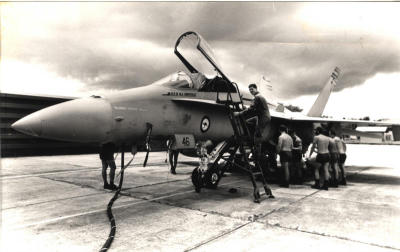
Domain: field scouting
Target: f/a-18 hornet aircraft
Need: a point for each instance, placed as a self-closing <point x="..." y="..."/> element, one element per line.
<point x="191" y="106"/>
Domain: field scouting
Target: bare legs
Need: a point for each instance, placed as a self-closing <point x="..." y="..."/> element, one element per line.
<point x="173" y="160"/>
<point x="318" y="179"/>
<point x="106" y="164"/>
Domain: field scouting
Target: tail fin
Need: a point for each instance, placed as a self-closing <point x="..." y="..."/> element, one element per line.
<point x="319" y="105"/>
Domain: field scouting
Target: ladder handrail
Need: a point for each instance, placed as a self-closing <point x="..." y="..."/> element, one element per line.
<point x="238" y="141"/>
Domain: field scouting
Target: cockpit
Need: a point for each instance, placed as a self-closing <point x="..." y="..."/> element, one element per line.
<point x="196" y="81"/>
<point x="204" y="73"/>
<point x="176" y="80"/>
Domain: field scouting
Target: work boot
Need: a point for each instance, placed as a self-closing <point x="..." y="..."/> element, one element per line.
<point x="173" y="171"/>
<point x="113" y="187"/>
<point x="335" y="183"/>
<point x="316" y="185"/>
<point x="343" y="182"/>
<point x="325" y="186"/>
<point x="106" y="186"/>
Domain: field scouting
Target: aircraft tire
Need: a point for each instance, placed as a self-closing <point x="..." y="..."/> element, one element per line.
<point x="213" y="176"/>
<point x="196" y="179"/>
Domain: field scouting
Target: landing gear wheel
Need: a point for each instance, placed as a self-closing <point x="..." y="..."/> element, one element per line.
<point x="213" y="176"/>
<point x="197" y="180"/>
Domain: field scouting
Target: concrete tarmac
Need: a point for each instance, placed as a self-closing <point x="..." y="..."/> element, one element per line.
<point x="57" y="203"/>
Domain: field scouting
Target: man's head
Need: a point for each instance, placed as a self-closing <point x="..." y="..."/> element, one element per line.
<point x="333" y="134"/>
<point x="253" y="88"/>
<point x="291" y="132"/>
<point x="318" y="130"/>
<point x="282" y="128"/>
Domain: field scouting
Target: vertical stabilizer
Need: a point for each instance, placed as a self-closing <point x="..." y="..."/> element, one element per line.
<point x="264" y="86"/>
<point x="319" y="105"/>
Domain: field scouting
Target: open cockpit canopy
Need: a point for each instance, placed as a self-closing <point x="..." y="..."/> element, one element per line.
<point x="196" y="54"/>
<point x="205" y="72"/>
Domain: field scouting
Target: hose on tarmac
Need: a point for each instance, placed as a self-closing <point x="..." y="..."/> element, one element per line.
<point x="110" y="215"/>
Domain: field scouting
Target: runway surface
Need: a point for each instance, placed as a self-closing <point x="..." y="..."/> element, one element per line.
<point x="57" y="203"/>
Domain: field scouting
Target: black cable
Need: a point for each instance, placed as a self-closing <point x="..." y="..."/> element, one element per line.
<point x="110" y="215"/>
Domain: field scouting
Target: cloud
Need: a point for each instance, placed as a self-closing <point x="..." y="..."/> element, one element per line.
<point x="123" y="45"/>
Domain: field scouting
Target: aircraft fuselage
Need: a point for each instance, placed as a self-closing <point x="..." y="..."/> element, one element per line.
<point x="154" y="105"/>
<point x="123" y="117"/>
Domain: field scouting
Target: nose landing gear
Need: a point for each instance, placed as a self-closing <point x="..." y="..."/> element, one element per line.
<point x="206" y="178"/>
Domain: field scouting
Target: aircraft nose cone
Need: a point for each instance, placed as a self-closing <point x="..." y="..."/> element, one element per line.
<point x="30" y="125"/>
<point x="86" y="120"/>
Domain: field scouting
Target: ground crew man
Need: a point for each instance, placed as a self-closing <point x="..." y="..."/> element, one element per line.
<point x="284" y="149"/>
<point x="107" y="160"/>
<point x="321" y="141"/>
<point x="297" y="173"/>
<point x="257" y="116"/>
<point x="173" y="154"/>
<point x="341" y="145"/>
<point x="334" y="153"/>
<point x="258" y="113"/>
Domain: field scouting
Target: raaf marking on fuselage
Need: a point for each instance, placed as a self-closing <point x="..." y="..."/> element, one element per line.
<point x="180" y="94"/>
<point x="129" y="108"/>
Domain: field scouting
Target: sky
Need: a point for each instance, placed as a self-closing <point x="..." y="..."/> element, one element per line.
<point x="84" y="48"/>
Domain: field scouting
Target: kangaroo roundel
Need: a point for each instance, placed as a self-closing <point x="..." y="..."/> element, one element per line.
<point x="205" y="124"/>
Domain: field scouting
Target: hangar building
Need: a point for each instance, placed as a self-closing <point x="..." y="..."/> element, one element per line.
<point x="15" y="106"/>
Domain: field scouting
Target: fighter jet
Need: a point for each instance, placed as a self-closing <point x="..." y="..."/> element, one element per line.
<point x="189" y="105"/>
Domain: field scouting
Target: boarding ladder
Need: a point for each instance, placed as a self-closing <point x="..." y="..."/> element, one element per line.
<point x="243" y="143"/>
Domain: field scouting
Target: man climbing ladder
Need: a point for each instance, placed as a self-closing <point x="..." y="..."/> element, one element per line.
<point x="242" y="145"/>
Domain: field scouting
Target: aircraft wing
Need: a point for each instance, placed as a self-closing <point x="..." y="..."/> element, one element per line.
<point x="300" y="117"/>
<point x="297" y="116"/>
<point x="343" y="124"/>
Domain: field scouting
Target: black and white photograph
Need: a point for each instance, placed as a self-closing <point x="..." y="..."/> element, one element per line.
<point x="200" y="126"/>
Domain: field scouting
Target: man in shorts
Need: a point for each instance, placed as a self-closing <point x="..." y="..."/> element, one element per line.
<point x="173" y="154"/>
<point x="107" y="160"/>
<point x="284" y="149"/>
<point x="342" y="158"/>
<point x="321" y="141"/>
<point x="297" y="173"/>
<point x="334" y="153"/>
